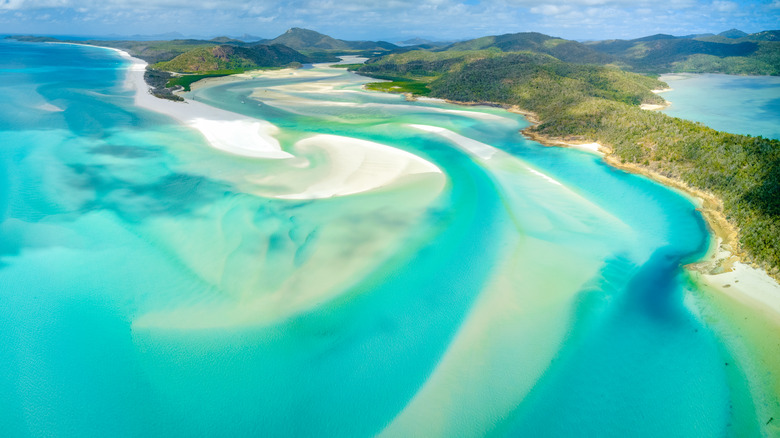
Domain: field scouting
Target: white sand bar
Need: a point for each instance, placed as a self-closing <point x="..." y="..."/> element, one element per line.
<point x="473" y="147"/>
<point x="357" y="166"/>
<point x="224" y="130"/>
<point x="354" y="166"/>
<point x="749" y="285"/>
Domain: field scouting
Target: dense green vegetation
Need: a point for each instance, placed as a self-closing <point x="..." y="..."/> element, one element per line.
<point x="414" y="87"/>
<point x="158" y="81"/>
<point x="560" y="81"/>
<point x="310" y="41"/>
<point x="185" y="81"/>
<point x="225" y="57"/>
<point x="565" y="50"/>
<point x="732" y="52"/>
<point x="597" y="103"/>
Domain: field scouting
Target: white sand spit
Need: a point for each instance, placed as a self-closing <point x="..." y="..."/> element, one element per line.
<point x="591" y="147"/>
<point x="357" y="166"/>
<point x="473" y="147"/>
<point x="224" y="130"/>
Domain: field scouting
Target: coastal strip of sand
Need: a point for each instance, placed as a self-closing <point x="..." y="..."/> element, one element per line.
<point x="224" y="130"/>
<point x="725" y="268"/>
<point x="354" y="166"/>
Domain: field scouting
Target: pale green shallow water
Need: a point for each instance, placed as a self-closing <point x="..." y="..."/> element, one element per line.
<point x="149" y="286"/>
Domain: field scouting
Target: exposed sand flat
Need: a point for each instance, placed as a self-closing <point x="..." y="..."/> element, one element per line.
<point x="595" y="148"/>
<point x="273" y="97"/>
<point x="429" y="99"/>
<point x="353" y="166"/>
<point x="548" y="178"/>
<point x="749" y="285"/>
<point x="49" y="107"/>
<point x="346" y="59"/>
<point x="226" y="131"/>
<point x="320" y="87"/>
<point x="590" y="147"/>
<point x="652" y="107"/>
<point x="472" y="114"/>
<point x="208" y="82"/>
<point x="277" y="96"/>
<point x="478" y="149"/>
<point x="293" y="72"/>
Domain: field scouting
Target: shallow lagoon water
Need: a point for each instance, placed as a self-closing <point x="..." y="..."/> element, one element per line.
<point x="150" y="286"/>
<point x="748" y="105"/>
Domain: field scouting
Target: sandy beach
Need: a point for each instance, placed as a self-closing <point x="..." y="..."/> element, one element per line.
<point x="226" y="131"/>
<point x="724" y="268"/>
<point x="751" y="286"/>
<point x="353" y="165"/>
<point x="592" y="147"/>
<point x="725" y="265"/>
<point x="356" y="166"/>
<point x="653" y="107"/>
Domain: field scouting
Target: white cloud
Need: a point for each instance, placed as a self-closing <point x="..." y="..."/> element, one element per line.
<point x="550" y="9"/>
<point x="724" y="6"/>
<point x="369" y="19"/>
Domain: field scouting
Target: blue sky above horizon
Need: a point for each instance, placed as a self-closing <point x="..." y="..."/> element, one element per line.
<point x="388" y="19"/>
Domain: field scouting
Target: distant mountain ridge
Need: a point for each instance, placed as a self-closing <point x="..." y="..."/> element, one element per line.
<point x="309" y="40"/>
<point x="417" y="41"/>
<point x="732" y="52"/>
<point x="565" y="50"/>
<point x="733" y="33"/>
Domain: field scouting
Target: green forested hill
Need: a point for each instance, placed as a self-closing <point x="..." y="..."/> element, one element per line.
<point x="565" y="50"/>
<point x="728" y="52"/>
<point x="731" y="52"/>
<point x="226" y="57"/>
<point x="733" y="33"/>
<point x="316" y="46"/>
<point x="525" y="75"/>
<point x="306" y="40"/>
<point x="600" y="104"/>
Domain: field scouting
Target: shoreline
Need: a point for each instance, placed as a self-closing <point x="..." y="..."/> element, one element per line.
<point x="355" y="166"/>
<point x="711" y="207"/>
<point x="725" y="268"/>
<point x="223" y="130"/>
<point x="724" y="256"/>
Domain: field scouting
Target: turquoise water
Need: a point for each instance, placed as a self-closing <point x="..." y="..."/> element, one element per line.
<point x="748" y="105"/>
<point x="148" y="287"/>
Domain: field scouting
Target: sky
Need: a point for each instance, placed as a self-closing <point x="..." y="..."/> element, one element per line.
<point x="391" y="20"/>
